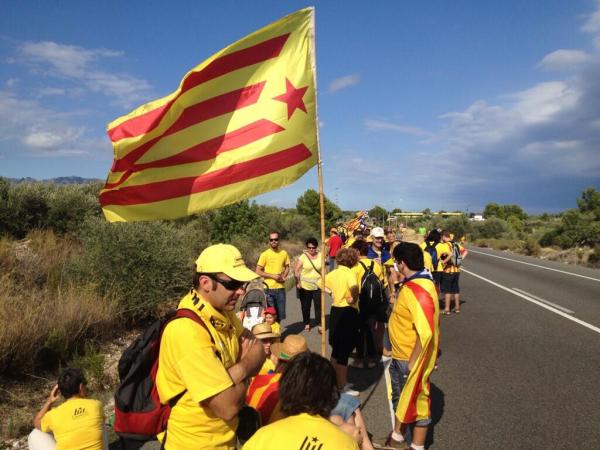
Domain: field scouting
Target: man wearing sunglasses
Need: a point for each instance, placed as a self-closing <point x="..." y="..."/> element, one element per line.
<point x="209" y="364"/>
<point x="274" y="265"/>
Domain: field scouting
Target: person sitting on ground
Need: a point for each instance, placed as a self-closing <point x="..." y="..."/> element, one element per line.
<point x="271" y="319"/>
<point x="308" y="393"/>
<point x="264" y="333"/>
<point x="75" y="424"/>
<point x="263" y="392"/>
<point x="343" y="318"/>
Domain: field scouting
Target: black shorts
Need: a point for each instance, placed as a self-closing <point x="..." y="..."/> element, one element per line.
<point x="343" y="332"/>
<point x="450" y="283"/>
<point x="437" y="277"/>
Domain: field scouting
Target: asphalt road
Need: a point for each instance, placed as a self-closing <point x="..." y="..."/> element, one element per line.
<point x="515" y="371"/>
<point x="514" y="374"/>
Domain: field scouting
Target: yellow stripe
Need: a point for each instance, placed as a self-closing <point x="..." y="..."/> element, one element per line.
<point x="215" y="198"/>
<point x="293" y="22"/>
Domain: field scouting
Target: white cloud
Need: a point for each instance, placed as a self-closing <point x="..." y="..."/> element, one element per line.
<point x="41" y="131"/>
<point x="382" y="125"/>
<point x="592" y="24"/>
<point x="79" y="65"/>
<point x="12" y="82"/>
<point x="564" y="59"/>
<point x="50" y="91"/>
<point x="343" y="82"/>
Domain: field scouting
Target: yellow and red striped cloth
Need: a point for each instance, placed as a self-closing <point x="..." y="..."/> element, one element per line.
<point x="241" y="123"/>
<point x="263" y="395"/>
<point x="421" y="298"/>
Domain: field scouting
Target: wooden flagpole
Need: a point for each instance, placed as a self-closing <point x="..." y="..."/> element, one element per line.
<point x="321" y="194"/>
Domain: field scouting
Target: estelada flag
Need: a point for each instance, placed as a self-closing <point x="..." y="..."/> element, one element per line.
<point x="241" y="123"/>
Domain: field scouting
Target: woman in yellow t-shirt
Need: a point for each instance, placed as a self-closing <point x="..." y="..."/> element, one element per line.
<point x="343" y="318"/>
<point x="307" y="272"/>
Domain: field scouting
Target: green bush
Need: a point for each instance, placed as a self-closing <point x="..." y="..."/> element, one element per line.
<point x="140" y="264"/>
<point x="491" y="228"/>
<point x="70" y="205"/>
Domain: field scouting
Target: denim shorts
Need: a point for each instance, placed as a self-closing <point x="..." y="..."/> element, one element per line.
<point x="346" y="406"/>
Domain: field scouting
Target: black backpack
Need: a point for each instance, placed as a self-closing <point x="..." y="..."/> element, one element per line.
<point x="430" y="248"/>
<point x="139" y="414"/>
<point x="371" y="290"/>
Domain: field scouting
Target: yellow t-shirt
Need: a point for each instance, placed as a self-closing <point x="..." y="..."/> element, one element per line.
<point x="268" y="366"/>
<point x="449" y="267"/>
<point x="359" y="271"/>
<point x="301" y="432"/>
<point x="340" y="281"/>
<point x="427" y="261"/>
<point x="309" y="277"/>
<point x="351" y="240"/>
<point x="188" y="360"/>
<point x="273" y="262"/>
<point x="401" y="324"/>
<point x="276" y="328"/>
<point x="76" y="424"/>
<point x="440" y="249"/>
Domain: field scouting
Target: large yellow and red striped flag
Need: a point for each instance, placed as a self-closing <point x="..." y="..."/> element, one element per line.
<point x="241" y="123"/>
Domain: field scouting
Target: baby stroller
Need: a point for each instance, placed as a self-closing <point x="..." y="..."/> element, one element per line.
<point x="253" y="304"/>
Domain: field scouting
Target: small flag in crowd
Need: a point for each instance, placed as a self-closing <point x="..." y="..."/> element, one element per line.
<point x="241" y="123"/>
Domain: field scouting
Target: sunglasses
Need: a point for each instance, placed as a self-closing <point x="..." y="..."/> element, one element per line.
<point x="230" y="285"/>
<point x="311" y="248"/>
<point x="273" y="240"/>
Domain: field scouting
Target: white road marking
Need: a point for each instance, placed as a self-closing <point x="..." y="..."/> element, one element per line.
<point x="535" y="265"/>
<point x="536" y="302"/>
<point x="543" y="300"/>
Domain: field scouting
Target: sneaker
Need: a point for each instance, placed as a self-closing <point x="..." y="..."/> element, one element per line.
<point x="347" y="389"/>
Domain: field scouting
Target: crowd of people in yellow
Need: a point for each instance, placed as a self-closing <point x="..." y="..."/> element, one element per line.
<point x="221" y="378"/>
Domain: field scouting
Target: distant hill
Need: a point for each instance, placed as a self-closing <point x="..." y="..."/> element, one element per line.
<point x="57" y="180"/>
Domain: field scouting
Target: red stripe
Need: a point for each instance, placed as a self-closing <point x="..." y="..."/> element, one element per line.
<point x="411" y="412"/>
<point x="208" y="109"/>
<point x="258" y="53"/>
<point x="235" y="173"/>
<point x="425" y="300"/>
<point x="213" y="147"/>
<point x="209" y="149"/>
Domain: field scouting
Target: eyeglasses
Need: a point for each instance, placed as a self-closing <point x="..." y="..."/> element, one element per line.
<point x="311" y="248"/>
<point x="273" y="240"/>
<point x="230" y="285"/>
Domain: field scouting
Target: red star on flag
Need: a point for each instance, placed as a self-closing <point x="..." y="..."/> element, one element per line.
<point x="293" y="98"/>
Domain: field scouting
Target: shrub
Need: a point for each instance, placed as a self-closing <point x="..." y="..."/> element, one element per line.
<point x="41" y="327"/>
<point x="532" y="247"/>
<point x="140" y="264"/>
<point x="70" y="205"/>
<point x="491" y="228"/>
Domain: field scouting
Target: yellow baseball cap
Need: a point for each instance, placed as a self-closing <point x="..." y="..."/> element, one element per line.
<point x="224" y="258"/>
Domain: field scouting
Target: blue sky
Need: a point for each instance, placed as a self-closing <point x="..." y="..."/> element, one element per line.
<point x="440" y="104"/>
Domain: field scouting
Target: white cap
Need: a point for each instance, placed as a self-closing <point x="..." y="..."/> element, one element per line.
<point x="377" y="232"/>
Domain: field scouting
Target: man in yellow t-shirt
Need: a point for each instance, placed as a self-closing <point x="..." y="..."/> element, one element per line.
<point x="211" y="365"/>
<point x="414" y="334"/>
<point x="308" y="393"/>
<point x="75" y="424"/>
<point x="274" y="265"/>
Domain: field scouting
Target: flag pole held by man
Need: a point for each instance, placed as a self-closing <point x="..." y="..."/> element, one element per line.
<point x="241" y="123"/>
